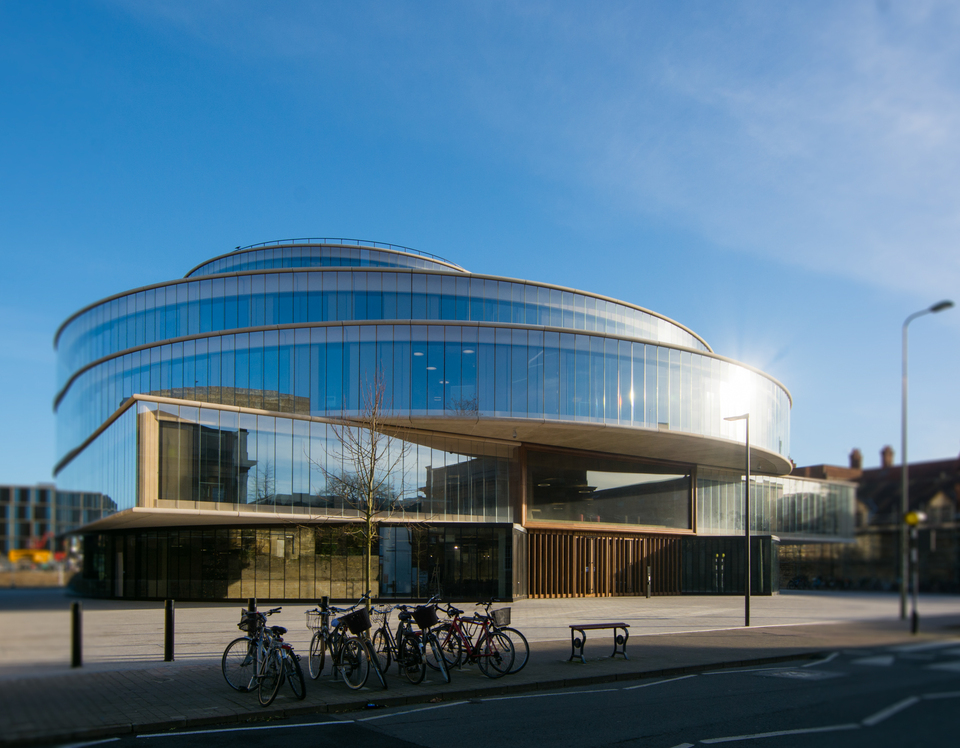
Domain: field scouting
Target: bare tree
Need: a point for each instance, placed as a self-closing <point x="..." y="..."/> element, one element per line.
<point x="264" y="483"/>
<point x="465" y="406"/>
<point x="368" y="467"/>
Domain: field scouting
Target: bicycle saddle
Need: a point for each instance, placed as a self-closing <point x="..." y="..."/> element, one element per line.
<point x="278" y="630"/>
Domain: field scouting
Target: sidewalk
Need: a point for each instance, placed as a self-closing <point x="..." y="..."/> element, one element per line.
<point x="48" y="704"/>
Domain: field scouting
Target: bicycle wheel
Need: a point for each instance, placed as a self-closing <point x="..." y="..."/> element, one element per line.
<point x="495" y="654"/>
<point x="239" y="664"/>
<point x="450" y="645"/>
<point x="294" y="675"/>
<point x="411" y="660"/>
<point x="434" y="657"/>
<point x="318" y="649"/>
<point x="381" y="646"/>
<point x="353" y="663"/>
<point x="271" y="679"/>
<point x="521" y="650"/>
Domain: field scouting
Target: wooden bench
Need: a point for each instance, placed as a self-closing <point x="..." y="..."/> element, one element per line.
<point x="577" y="644"/>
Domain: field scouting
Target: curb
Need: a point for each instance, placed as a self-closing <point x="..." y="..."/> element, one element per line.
<point x="183" y="723"/>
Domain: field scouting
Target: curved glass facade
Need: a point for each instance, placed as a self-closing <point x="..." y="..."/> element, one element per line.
<point x="184" y="309"/>
<point x="441" y="370"/>
<point x="321" y="255"/>
<point x="218" y="401"/>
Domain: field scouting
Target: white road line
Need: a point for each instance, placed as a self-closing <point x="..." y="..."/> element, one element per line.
<point x="824" y="661"/>
<point x="875" y="660"/>
<point x="683" y="745"/>
<point x="943" y="695"/>
<point x="413" y="711"/>
<point x="883" y="714"/>
<point x="922" y="647"/>
<point x="542" y="695"/>
<point x="779" y="733"/>
<point x="89" y="743"/>
<point x="246" y="729"/>
<point x="660" y="682"/>
<point x="751" y="670"/>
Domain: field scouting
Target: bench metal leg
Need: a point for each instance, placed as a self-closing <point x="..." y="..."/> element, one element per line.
<point x="620" y="643"/>
<point x="577" y="644"/>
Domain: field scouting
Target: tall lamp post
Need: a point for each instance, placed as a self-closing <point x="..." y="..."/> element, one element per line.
<point x="746" y="520"/>
<point x="905" y="485"/>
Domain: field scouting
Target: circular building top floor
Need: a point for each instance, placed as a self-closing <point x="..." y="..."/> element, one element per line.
<point x="308" y="253"/>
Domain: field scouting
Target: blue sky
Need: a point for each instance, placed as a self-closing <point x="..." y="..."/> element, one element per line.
<point x="781" y="178"/>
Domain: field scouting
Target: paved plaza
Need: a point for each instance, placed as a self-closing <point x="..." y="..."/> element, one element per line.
<point x="124" y="686"/>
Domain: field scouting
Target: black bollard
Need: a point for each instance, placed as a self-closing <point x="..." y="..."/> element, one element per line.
<point x="168" y="623"/>
<point x="76" y="634"/>
<point x="252" y="604"/>
<point x="649" y="580"/>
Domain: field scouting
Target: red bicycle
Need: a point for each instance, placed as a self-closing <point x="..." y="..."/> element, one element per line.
<point x="475" y="639"/>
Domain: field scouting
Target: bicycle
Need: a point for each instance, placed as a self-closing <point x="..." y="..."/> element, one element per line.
<point x="350" y="652"/>
<point x="501" y="622"/>
<point x="240" y="661"/>
<point x="475" y="640"/>
<point x="262" y="658"/>
<point x="411" y="650"/>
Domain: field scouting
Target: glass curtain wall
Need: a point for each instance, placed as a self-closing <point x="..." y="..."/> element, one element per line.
<point x="316" y="256"/>
<point x="190" y="308"/>
<point x="296" y="562"/>
<point x="208" y="458"/>
<point x="791" y="508"/>
<point x="443" y="370"/>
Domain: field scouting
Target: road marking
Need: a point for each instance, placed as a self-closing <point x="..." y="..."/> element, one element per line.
<point x="413" y="711"/>
<point x="542" y="695"/>
<point x="923" y="646"/>
<point x="800" y="674"/>
<point x="951" y="666"/>
<point x="943" y="695"/>
<point x="245" y="729"/>
<point x="752" y="670"/>
<point x="89" y="743"/>
<point x="779" y="733"/>
<point x="883" y="714"/>
<point x="683" y="745"/>
<point x="881" y="660"/>
<point x="659" y="682"/>
<point x="824" y="661"/>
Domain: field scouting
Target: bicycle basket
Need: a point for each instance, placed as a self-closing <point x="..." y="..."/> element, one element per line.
<point x="358" y="621"/>
<point x="313" y="619"/>
<point x="248" y="621"/>
<point x="425" y="616"/>
<point x="501" y="617"/>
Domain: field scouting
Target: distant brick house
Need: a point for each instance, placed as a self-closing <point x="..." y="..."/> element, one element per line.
<point x="872" y="562"/>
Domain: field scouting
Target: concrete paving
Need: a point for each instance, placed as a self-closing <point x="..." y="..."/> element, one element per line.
<point x="124" y="687"/>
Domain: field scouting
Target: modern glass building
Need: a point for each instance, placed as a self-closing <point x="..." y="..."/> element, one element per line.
<point x="545" y="441"/>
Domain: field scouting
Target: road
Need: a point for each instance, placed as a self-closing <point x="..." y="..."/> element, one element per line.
<point x="894" y="696"/>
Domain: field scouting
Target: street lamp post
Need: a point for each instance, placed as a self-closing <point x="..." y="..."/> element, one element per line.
<point x="905" y="485"/>
<point x="746" y="519"/>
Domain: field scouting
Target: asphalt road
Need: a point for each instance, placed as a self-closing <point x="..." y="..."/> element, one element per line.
<point x="895" y="696"/>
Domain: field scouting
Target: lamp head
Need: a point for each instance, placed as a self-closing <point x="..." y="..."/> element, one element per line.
<point x="941" y="306"/>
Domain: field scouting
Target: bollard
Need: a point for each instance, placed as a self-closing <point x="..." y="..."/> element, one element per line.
<point x="251" y="604"/>
<point x="649" y="580"/>
<point x="76" y="635"/>
<point x="168" y="622"/>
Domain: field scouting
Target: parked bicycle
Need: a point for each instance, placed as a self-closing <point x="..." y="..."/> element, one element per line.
<point x="262" y="660"/>
<point x="411" y="649"/>
<point x="342" y="632"/>
<point x="476" y="639"/>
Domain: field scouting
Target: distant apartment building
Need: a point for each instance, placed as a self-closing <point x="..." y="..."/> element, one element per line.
<point x="872" y="562"/>
<point x="35" y="520"/>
